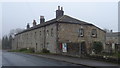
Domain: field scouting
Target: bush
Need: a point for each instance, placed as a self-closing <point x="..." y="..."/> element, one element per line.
<point x="27" y="50"/>
<point x="31" y="50"/>
<point x="45" y="50"/>
<point x="23" y="49"/>
<point x="118" y="54"/>
<point x="97" y="47"/>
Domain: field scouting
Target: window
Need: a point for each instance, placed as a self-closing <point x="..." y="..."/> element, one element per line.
<point x="31" y="34"/>
<point x="36" y="46"/>
<point x="35" y="35"/>
<point x="40" y="33"/>
<point x="36" y="43"/>
<point x="52" y="32"/>
<point x="47" y="44"/>
<point x="47" y="32"/>
<point x="94" y="33"/>
<point x="81" y="32"/>
<point x="27" y="36"/>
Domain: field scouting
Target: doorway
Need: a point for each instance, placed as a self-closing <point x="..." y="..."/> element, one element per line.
<point x="83" y="48"/>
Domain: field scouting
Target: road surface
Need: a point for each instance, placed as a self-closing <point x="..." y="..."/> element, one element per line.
<point x="20" y="59"/>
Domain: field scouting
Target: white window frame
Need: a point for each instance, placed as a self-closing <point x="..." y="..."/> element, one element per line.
<point x="81" y="32"/>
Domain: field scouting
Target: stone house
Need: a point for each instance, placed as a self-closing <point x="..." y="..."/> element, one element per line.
<point x="112" y="42"/>
<point x="63" y="35"/>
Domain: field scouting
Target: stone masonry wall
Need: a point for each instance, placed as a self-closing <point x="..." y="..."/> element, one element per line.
<point x="69" y="33"/>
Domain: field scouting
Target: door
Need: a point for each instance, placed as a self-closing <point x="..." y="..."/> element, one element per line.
<point x="83" y="48"/>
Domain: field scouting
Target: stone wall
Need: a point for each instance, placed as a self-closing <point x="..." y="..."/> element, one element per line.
<point x="69" y="33"/>
<point x="37" y="39"/>
<point x="47" y="36"/>
<point x="50" y="37"/>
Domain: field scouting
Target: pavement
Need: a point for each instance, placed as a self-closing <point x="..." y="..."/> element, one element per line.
<point x="81" y="61"/>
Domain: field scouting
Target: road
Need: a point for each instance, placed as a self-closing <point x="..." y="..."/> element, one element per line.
<point x="20" y="59"/>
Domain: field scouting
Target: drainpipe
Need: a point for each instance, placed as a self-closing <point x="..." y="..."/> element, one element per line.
<point x="57" y="44"/>
<point x="44" y="37"/>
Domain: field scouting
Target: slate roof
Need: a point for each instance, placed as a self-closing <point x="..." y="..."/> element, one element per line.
<point x="63" y="19"/>
<point x="69" y="19"/>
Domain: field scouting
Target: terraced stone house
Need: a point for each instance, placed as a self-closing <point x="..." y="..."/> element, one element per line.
<point x="63" y="35"/>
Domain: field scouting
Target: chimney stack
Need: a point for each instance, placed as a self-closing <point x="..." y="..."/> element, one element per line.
<point x="111" y="31"/>
<point x="34" y="23"/>
<point x="42" y="19"/>
<point x="59" y="12"/>
<point x="61" y="8"/>
<point x="28" y="26"/>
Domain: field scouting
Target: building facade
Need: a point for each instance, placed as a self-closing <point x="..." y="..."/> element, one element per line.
<point x="112" y="42"/>
<point x="63" y="35"/>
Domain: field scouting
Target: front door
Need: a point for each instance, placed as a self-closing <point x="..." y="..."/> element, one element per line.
<point x="83" y="48"/>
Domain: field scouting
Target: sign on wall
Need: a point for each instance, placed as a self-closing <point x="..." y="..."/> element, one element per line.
<point x="113" y="46"/>
<point x="64" y="47"/>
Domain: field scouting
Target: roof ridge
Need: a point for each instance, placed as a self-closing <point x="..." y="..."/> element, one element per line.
<point x="77" y="19"/>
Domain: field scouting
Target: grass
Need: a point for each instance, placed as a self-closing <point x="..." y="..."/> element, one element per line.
<point x="31" y="50"/>
<point x="13" y="51"/>
<point x="24" y="50"/>
<point x="107" y="57"/>
<point x="41" y="53"/>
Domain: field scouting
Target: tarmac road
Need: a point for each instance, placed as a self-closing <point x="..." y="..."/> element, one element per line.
<point x="20" y="59"/>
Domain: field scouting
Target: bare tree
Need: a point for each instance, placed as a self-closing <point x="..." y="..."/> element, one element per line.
<point x="15" y="31"/>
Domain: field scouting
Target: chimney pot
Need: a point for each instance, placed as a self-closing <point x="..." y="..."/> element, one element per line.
<point x="42" y="19"/>
<point x="34" y="22"/>
<point x="28" y="26"/>
<point x="58" y="7"/>
<point x="61" y="8"/>
<point x="111" y="31"/>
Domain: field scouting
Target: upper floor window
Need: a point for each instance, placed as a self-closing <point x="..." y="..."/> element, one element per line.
<point x="52" y="32"/>
<point x="47" y="32"/>
<point x="31" y="34"/>
<point x="27" y="36"/>
<point x="94" y="33"/>
<point x="40" y="33"/>
<point x="35" y="35"/>
<point x="81" y="32"/>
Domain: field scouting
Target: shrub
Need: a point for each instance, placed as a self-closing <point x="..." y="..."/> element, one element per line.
<point x="118" y="55"/>
<point x="97" y="47"/>
<point x="31" y="50"/>
<point x="23" y="49"/>
<point x="27" y="50"/>
<point x="45" y="50"/>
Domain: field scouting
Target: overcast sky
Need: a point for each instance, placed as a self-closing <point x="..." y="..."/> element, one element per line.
<point x="0" y="20"/>
<point x="18" y="14"/>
